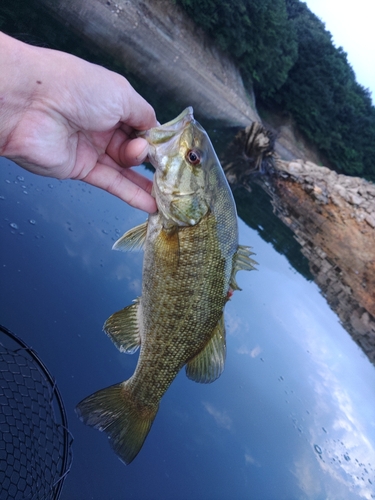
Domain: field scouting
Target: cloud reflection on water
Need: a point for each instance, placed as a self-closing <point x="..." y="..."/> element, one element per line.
<point x="327" y="384"/>
<point x="346" y="452"/>
<point x="221" y="418"/>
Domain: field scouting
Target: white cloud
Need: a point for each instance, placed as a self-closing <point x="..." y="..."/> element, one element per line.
<point x="253" y="353"/>
<point x="250" y="460"/>
<point x="221" y="417"/>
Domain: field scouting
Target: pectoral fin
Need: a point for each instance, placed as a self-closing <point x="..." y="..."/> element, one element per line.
<point x="241" y="261"/>
<point x="208" y="365"/>
<point x="134" y="239"/>
<point x="122" y="328"/>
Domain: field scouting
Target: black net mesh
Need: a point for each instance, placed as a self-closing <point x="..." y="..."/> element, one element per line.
<point x="35" y="444"/>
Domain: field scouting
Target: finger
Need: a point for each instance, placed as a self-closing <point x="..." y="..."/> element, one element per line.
<point x="114" y="182"/>
<point x="127" y="152"/>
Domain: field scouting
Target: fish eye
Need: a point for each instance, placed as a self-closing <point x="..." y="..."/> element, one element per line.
<point x="193" y="157"/>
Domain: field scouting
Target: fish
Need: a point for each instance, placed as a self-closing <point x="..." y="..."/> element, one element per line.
<point x="191" y="257"/>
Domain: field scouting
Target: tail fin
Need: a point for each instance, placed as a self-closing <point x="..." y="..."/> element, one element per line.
<point x="114" y="411"/>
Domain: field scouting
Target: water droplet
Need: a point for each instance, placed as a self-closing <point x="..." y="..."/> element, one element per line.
<point x="7" y="181"/>
<point x="2" y="197"/>
<point x="70" y="229"/>
<point x="318" y="449"/>
<point x="13" y="225"/>
<point x="347" y="458"/>
<point x="25" y="192"/>
<point x="20" y="178"/>
<point x="324" y="430"/>
<point x="51" y="186"/>
<point x="32" y="221"/>
<point x="104" y="231"/>
<point x="281" y="378"/>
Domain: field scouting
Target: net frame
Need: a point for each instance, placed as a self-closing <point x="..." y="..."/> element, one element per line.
<point x="35" y="443"/>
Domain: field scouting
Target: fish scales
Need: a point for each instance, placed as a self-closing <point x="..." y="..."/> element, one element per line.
<point x="190" y="264"/>
<point x="182" y="301"/>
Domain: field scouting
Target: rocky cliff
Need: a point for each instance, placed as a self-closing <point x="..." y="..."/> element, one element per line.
<point x="333" y="218"/>
<point x="160" y="44"/>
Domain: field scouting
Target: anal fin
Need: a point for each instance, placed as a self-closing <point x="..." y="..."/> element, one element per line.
<point x="208" y="364"/>
<point x="122" y="328"/>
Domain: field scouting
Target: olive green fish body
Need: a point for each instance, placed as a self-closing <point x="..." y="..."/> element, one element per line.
<point x="184" y="291"/>
<point x="190" y="262"/>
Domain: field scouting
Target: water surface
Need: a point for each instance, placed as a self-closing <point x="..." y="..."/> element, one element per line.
<point x="293" y="414"/>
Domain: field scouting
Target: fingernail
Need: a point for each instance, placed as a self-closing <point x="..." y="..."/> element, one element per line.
<point x="142" y="156"/>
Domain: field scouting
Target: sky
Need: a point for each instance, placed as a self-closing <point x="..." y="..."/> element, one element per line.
<point x="351" y="26"/>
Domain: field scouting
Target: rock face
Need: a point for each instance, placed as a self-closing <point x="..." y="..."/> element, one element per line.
<point x="325" y="185"/>
<point x="160" y="44"/>
<point x="333" y="218"/>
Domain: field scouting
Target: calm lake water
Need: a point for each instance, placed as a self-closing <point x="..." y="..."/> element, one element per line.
<point x="292" y="416"/>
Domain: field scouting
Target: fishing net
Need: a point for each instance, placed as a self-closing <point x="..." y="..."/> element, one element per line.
<point x="35" y="444"/>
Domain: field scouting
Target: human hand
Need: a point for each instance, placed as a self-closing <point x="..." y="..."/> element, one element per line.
<point x="63" y="117"/>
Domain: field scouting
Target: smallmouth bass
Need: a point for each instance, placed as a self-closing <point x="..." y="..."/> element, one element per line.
<point x="191" y="257"/>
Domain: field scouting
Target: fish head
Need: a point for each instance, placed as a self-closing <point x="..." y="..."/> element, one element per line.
<point x="179" y="151"/>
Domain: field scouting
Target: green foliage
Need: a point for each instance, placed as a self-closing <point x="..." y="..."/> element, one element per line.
<point x="286" y="52"/>
<point x="256" y="33"/>
<point x="322" y="95"/>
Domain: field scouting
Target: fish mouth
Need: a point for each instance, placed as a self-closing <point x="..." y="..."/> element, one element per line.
<point x="163" y="133"/>
<point x="185" y="117"/>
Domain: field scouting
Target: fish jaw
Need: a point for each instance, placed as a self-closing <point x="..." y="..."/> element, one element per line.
<point x="179" y="187"/>
<point x="162" y="133"/>
<point x="164" y="139"/>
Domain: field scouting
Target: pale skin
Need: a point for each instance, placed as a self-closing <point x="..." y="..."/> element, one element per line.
<point x="63" y="117"/>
